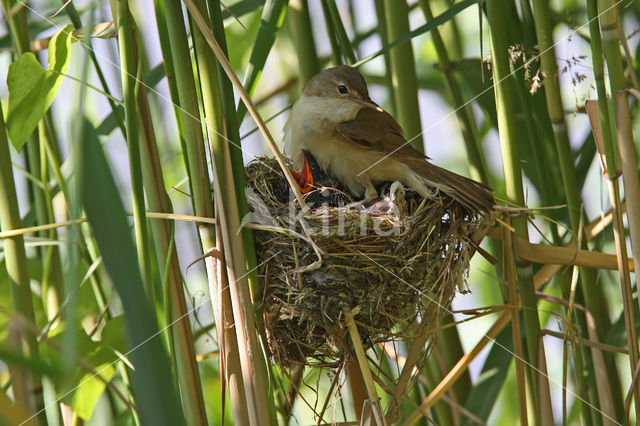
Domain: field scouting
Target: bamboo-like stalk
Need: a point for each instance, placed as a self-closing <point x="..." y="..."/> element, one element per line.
<point x="234" y="179"/>
<point x="345" y="44"/>
<point x="624" y="130"/>
<point x="611" y="164"/>
<point x="336" y="49"/>
<point x="15" y="255"/>
<point x="197" y="170"/>
<point x="541" y="253"/>
<point x="403" y="73"/>
<point x="52" y="275"/>
<point x="182" y="335"/>
<point x="366" y="371"/>
<point x="129" y="73"/>
<point x="52" y="291"/>
<point x="504" y="94"/>
<point x="253" y="376"/>
<point x="195" y="147"/>
<point x="300" y="22"/>
<point x="226" y="66"/>
<point x="384" y="38"/>
<point x="17" y="269"/>
<point x="231" y="366"/>
<point x="357" y="388"/>
<point x="629" y="172"/>
<point x="71" y="11"/>
<point x="563" y="149"/>
<point x="451" y="346"/>
<point x="458" y="369"/>
<point x="609" y="31"/>
<point x="556" y="113"/>
<point x="226" y="98"/>
<point x="251" y="361"/>
<point x="515" y="326"/>
<point x="449" y="338"/>
<point x="555" y="109"/>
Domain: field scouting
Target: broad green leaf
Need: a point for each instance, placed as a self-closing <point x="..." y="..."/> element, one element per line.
<point x="89" y="386"/>
<point x="491" y="380"/>
<point x="81" y="388"/>
<point x="113" y="334"/>
<point x="86" y="397"/>
<point x="156" y="398"/>
<point x="469" y="71"/>
<point x="32" y="88"/>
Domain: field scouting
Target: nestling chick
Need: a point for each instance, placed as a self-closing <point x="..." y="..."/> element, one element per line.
<point x="355" y="141"/>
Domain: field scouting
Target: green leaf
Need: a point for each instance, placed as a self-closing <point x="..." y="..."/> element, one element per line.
<point x="241" y="8"/>
<point x="113" y="334"/>
<point x="89" y="386"/>
<point x="490" y="382"/>
<point x="438" y="20"/>
<point x="84" y="401"/>
<point x="272" y="18"/>
<point x="82" y="386"/>
<point x="60" y="49"/>
<point x="473" y="86"/>
<point x="32" y="88"/>
<point x="156" y="398"/>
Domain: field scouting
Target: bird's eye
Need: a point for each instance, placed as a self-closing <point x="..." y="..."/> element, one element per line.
<point x="343" y="89"/>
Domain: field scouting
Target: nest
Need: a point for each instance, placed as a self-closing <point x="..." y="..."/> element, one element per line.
<point x="392" y="269"/>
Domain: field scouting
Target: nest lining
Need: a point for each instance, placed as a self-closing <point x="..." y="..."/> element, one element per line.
<point x="394" y="270"/>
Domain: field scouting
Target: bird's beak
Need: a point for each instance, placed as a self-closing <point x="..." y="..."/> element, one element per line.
<point x="367" y="102"/>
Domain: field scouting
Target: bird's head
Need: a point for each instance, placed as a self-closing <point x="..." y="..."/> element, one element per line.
<point x="341" y="83"/>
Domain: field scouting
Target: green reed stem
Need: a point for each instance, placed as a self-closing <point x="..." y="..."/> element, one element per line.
<point x="403" y="73"/>
<point x="505" y="95"/>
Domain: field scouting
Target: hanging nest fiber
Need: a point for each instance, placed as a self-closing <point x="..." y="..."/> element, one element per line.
<point x="393" y="269"/>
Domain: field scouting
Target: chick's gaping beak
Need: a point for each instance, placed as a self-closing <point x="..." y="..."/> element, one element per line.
<point x="367" y="102"/>
<point x="304" y="177"/>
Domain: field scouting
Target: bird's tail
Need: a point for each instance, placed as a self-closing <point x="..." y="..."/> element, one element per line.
<point x="429" y="177"/>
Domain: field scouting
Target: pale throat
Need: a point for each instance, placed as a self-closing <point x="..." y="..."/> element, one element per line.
<point x="311" y="126"/>
<point x="334" y="110"/>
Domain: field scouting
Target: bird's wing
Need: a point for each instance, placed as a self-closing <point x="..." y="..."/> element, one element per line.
<point x="377" y="131"/>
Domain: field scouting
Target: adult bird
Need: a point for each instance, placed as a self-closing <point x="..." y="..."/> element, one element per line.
<point x="357" y="142"/>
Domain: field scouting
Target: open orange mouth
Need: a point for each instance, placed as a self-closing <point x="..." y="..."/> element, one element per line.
<point x="304" y="177"/>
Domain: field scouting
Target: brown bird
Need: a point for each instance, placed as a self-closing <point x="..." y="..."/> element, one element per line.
<point x="361" y="145"/>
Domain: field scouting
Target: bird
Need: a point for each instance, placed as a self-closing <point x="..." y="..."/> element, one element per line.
<point x="355" y="141"/>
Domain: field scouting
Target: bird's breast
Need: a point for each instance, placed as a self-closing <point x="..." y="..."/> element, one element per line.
<point x="313" y="120"/>
<point x="312" y="126"/>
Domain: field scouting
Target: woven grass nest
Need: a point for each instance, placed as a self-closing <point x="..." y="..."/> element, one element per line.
<point x="392" y="270"/>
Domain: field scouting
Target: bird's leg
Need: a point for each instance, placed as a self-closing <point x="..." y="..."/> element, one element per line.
<point x="370" y="195"/>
